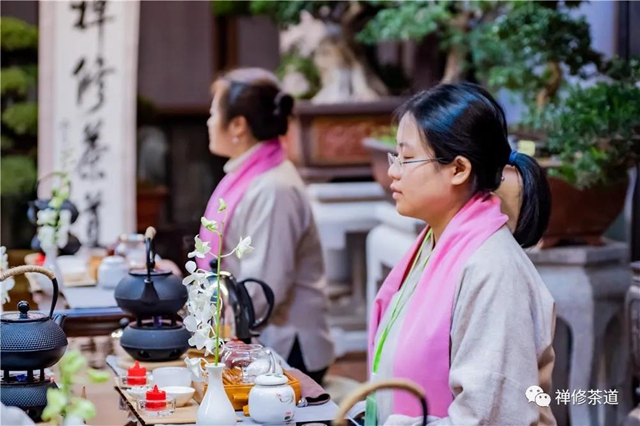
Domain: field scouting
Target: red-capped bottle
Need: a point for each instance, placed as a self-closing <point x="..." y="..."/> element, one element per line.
<point x="156" y="399"/>
<point x="136" y="375"/>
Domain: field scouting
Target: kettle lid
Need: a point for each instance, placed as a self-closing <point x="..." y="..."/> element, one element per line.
<point x="23" y="314"/>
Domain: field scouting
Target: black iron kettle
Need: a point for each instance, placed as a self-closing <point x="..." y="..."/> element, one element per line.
<point x="238" y="318"/>
<point x="151" y="292"/>
<point x="31" y="340"/>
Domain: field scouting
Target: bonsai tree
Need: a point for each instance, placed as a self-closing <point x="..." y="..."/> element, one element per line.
<point x="357" y="23"/>
<point x="453" y="21"/>
<point x="529" y="50"/>
<point x="19" y="127"/>
<point x="595" y="130"/>
<point x="18" y="77"/>
<point x="592" y="129"/>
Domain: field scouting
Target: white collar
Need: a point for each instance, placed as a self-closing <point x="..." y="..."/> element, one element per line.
<point x="235" y="163"/>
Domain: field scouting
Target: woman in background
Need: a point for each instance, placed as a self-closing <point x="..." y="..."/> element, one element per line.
<point x="465" y="313"/>
<point x="266" y="200"/>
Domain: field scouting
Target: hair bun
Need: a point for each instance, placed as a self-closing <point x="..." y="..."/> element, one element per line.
<point x="284" y="104"/>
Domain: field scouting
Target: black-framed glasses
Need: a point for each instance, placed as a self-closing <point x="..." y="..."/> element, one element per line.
<point x="395" y="161"/>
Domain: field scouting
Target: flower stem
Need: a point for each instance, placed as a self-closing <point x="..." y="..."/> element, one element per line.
<point x="217" y="348"/>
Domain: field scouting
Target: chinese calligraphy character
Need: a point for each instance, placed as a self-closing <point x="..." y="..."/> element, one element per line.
<point x="93" y="224"/>
<point x="87" y="79"/>
<point x="579" y="397"/>
<point x="88" y="164"/>
<point x="594" y="397"/>
<point x="99" y="8"/>
<point x="611" y="397"/>
<point x="563" y="397"/>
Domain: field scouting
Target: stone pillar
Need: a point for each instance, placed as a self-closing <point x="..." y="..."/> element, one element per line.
<point x="589" y="286"/>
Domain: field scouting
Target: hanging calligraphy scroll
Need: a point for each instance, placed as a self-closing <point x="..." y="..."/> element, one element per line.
<point x="87" y="107"/>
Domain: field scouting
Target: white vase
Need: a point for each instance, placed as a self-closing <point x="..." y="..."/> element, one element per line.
<point x="215" y="408"/>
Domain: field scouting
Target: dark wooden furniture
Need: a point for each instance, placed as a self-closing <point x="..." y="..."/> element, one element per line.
<point x="90" y="322"/>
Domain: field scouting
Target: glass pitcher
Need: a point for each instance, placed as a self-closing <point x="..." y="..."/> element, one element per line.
<point x="247" y="361"/>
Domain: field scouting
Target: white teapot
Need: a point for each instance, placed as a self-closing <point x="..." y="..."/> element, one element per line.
<point x="272" y="400"/>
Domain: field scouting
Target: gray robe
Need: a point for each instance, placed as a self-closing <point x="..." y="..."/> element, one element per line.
<point x="276" y="214"/>
<point x="502" y="329"/>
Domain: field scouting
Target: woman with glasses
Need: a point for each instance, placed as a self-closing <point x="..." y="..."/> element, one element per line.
<point x="465" y="313"/>
<point x="266" y="200"/>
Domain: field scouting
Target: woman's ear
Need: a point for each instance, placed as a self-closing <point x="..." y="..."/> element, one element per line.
<point x="239" y="127"/>
<point x="460" y="170"/>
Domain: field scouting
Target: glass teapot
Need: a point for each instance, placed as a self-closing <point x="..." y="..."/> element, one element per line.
<point x="247" y="361"/>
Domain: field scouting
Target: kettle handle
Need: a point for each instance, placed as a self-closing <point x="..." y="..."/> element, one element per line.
<point x="19" y="270"/>
<point x="268" y="293"/>
<point x="149" y="235"/>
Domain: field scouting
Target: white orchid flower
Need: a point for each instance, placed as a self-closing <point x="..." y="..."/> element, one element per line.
<point x="196" y="276"/>
<point x="211" y="225"/>
<point x="244" y="247"/>
<point x="223" y="205"/>
<point x="64" y="223"/>
<point x="201" y="337"/>
<point x="202" y="248"/>
<point x="46" y="235"/>
<point x="209" y="347"/>
<point x="194" y="365"/>
<point x="47" y="217"/>
<point x="191" y="323"/>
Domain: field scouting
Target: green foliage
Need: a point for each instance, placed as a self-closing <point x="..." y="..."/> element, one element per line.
<point x="411" y="20"/>
<point x="596" y="133"/>
<point x="22" y="118"/>
<point x="18" y="174"/>
<point x="386" y="135"/>
<point x="19" y="117"/>
<point x="524" y="49"/>
<point x="229" y="7"/>
<point x="285" y="12"/>
<point x="61" y="402"/>
<point x="15" y="80"/>
<point x="305" y="66"/>
<point x="17" y="35"/>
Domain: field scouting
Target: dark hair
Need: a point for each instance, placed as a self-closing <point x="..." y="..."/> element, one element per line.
<point x="465" y="120"/>
<point x="254" y="93"/>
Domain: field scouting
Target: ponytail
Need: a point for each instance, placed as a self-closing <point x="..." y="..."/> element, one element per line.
<point x="536" y="200"/>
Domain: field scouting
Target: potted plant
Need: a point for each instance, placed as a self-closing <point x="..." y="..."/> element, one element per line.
<point x="204" y="320"/>
<point x="18" y="77"/>
<point x="380" y="145"/>
<point x="591" y="129"/>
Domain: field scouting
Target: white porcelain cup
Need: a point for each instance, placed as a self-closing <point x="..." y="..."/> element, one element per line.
<point x="111" y="271"/>
<point x="172" y="376"/>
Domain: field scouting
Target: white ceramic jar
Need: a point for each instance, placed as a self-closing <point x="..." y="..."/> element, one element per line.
<point x="111" y="271"/>
<point x="272" y="400"/>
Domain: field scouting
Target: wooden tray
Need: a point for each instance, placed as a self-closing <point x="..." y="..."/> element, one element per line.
<point x="238" y="392"/>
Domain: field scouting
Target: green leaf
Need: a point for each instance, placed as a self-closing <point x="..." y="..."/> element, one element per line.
<point x="81" y="408"/>
<point x="72" y="362"/>
<point x="22" y="118"/>
<point x="18" y="174"/>
<point x="6" y="142"/>
<point x="56" y="401"/>
<point x="97" y="376"/>
<point x="16" y="34"/>
<point x="15" y="80"/>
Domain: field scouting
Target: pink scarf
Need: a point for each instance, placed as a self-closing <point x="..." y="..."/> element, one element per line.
<point x="422" y="350"/>
<point x="233" y="187"/>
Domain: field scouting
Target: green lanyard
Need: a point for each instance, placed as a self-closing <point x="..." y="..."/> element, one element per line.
<point x="400" y="305"/>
